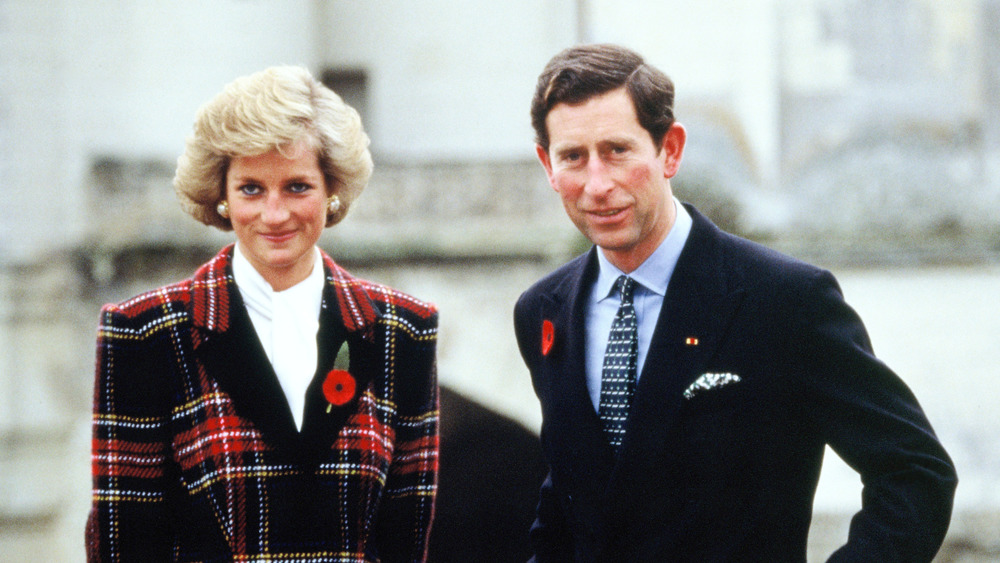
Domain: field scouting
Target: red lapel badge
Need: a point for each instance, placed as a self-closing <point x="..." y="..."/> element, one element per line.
<point x="691" y="341"/>
<point x="338" y="388"/>
<point x="339" y="385"/>
<point x="548" y="336"/>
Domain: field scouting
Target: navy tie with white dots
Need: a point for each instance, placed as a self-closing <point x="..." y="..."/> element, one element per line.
<point x="618" y="373"/>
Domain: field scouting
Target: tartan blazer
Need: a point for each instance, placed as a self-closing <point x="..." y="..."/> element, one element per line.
<point x="196" y="456"/>
<point x="755" y="366"/>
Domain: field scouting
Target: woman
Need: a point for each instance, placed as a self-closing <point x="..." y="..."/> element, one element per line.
<point x="272" y="407"/>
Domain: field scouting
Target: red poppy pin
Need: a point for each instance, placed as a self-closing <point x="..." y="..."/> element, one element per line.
<point x="338" y="388"/>
<point x="548" y="336"/>
<point x="339" y="385"/>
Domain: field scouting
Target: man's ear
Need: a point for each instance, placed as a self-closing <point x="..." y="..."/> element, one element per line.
<point x="543" y="157"/>
<point x="673" y="148"/>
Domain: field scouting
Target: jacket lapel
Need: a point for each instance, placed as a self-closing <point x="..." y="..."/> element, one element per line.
<point x="348" y="315"/>
<point x="701" y="301"/>
<point x="574" y="430"/>
<point x="228" y="347"/>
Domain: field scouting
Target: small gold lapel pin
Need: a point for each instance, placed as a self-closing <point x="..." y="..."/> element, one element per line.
<point x="691" y="341"/>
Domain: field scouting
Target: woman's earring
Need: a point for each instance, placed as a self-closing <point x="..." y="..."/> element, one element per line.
<point x="223" y="209"/>
<point x="333" y="205"/>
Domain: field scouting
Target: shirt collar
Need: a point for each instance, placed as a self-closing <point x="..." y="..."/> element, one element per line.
<point x="307" y="295"/>
<point x="653" y="274"/>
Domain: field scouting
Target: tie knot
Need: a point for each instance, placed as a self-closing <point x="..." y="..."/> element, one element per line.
<point x="625" y="286"/>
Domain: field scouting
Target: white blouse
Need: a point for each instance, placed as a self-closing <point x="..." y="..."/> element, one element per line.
<point x="286" y="323"/>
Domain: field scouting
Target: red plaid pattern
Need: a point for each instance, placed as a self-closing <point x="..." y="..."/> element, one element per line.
<point x="181" y="472"/>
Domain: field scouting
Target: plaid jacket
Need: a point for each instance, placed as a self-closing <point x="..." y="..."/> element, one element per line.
<point x="196" y="456"/>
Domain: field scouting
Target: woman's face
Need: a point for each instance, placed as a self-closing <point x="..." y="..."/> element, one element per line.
<point x="277" y="205"/>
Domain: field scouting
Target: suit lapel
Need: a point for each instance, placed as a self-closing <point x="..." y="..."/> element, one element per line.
<point x="574" y="429"/>
<point x="699" y="306"/>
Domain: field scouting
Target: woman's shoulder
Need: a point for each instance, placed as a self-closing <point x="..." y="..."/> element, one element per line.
<point x="383" y="297"/>
<point x="208" y="285"/>
<point x="390" y="296"/>
<point x="157" y="308"/>
<point x="172" y="292"/>
<point x="390" y="300"/>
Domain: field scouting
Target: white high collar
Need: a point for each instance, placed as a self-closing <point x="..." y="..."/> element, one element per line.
<point x="286" y="323"/>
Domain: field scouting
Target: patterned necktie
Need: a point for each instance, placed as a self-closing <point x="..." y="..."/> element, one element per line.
<point x="618" y="373"/>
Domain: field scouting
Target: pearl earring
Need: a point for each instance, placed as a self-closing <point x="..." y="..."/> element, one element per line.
<point x="223" y="209"/>
<point x="333" y="205"/>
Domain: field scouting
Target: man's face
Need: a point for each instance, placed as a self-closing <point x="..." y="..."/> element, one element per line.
<point x="613" y="180"/>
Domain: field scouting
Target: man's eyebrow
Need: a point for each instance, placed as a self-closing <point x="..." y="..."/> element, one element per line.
<point x="617" y="141"/>
<point x="563" y="148"/>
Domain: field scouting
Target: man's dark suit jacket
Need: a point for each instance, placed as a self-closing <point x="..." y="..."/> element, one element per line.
<point x="728" y="472"/>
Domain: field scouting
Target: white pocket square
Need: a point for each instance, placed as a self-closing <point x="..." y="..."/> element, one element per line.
<point x="709" y="381"/>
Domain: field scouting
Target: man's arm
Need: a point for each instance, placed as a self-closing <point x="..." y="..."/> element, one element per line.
<point x="873" y="421"/>
<point x="550" y="539"/>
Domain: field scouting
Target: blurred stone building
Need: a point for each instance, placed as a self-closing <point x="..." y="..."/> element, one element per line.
<point x="843" y="122"/>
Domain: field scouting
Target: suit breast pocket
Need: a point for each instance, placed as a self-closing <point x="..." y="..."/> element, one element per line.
<point x="717" y="415"/>
<point x="732" y="426"/>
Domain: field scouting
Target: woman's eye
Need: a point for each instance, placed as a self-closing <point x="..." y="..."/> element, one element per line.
<point x="299" y="188"/>
<point x="250" y="189"/>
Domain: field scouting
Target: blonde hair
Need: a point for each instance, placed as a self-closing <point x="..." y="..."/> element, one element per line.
<point x="265" y="111"/>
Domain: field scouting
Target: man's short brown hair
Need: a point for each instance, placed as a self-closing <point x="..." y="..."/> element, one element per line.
<point x="582" y="72"/>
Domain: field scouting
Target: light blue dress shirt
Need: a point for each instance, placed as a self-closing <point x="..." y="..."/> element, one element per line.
<point x="653" y="277"/>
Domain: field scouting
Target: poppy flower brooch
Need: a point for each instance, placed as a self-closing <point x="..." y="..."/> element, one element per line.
<point x="548" y="336"/>
<point x="339" y="386"/>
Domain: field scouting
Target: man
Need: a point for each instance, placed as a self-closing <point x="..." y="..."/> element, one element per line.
<point x="748" y="363"/>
